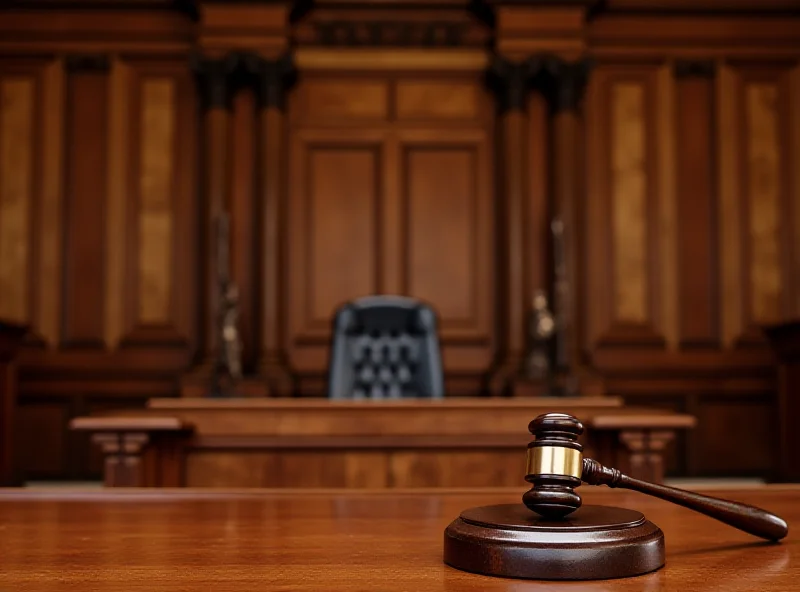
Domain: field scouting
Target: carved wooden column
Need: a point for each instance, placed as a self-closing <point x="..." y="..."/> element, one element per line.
<point x="512" y="82"/>
<point x="564" y="87"/>
<point x="274" y="79"/>
<point x="213" y="76"/>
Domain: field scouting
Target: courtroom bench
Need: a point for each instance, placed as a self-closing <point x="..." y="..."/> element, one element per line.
<point x="454" y="442"/>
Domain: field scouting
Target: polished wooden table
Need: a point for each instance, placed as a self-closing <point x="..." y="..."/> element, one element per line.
<point x="171" y="540"/>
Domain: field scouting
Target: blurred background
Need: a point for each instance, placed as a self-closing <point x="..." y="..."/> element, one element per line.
<point x="575" y="199"/>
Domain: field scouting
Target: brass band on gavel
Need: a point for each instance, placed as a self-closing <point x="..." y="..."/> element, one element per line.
<point x="554" y="460"/>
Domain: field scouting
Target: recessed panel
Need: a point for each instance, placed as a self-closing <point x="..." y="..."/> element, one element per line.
<point x="629" y="202"/>
<point x="437" y="100"/>
<point x="155" y="199"/>
<point x="340" y="227"/>
<point x="337" y="100"/>
<point x="441" y="185"/>
<point x="763" y="197"/>
<point x="16" y="186"/>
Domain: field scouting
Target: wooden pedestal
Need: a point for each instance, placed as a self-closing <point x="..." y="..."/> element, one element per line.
<point x="593" y="543"/>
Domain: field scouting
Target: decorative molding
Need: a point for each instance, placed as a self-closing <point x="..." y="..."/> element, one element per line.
<point x="214" y="79"/>
<point x="695" y="69"/>
<point x="564" y="83"/>
<point x="390" y="33"/>
<point x="87" y="63"/>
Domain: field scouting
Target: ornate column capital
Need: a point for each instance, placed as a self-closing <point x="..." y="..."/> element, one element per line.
<point x="564" y="83"/>
<point x="273" y="78"/>
<point x="213" y="77"/>
<point x="512" y="80"/>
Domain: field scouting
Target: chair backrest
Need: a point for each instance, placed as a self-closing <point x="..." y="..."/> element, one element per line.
<point x="385" y="347"/>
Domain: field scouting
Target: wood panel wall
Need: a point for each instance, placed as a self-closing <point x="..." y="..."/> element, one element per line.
<point x="392" y="193"/>
<point x="389" y="166"/>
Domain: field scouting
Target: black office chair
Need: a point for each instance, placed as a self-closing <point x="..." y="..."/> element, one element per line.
<point x="385" y="347"/>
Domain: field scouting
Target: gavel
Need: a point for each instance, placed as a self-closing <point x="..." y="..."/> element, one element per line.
<point x="556" y="466"/>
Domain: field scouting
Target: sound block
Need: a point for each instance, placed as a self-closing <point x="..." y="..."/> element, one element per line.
<point x="592" y="543"/>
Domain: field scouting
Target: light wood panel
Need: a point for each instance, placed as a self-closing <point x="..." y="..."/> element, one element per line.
<point x="629" y="203"/>
<point x="17" y="145"/>
<point x="160" y="127"/>
<point x="631" y="224"/>
<point x="762" y="170"/>
<point x="755" y="209"/>
<point x="156" y="164"/>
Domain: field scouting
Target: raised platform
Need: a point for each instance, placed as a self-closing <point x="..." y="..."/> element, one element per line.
<point x="454" y="442"/>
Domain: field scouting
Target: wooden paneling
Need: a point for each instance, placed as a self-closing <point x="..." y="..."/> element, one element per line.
<point x="763" y="187"/>
<point x="401" y="205"/>
<point x="698" y="323"/>
<point x="437" y="100"/>
<point x="448" y="218"/>
<point x="629" y="203"/>
<point x="118" y="227"/>
<point x="17" y="145"/>
<point x="329" y="101"/>
<point x="755" y="212"/>
<point x="442" y="217"/>
<point x="50" y="213"/>
<point x="625" y="231"/>
<point x="382" y="177"/>
<point x="335" y="216"/>
<point x="158" y="241"/>
<point x="85" y="211"/>
<point x="155" y="195"/>
<point x="794" y="195"/>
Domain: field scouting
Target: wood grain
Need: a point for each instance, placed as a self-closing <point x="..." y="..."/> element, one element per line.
<point x="696" y="208"/>
<point x="183" y="540"/>
<point x="764" y="208"/>
<point x="17" y="142"/>
<point x="50" y="217"/>
<point x="87" y="170"/>
<point x="117" y="195"/>
<point x="794" y="195"/>
<point x="666" y="129"/>
<point x="421" y="100"/>
<point x="16" y="147"/>
<point x="442" y="230"/>
<point x="629" y="199"/>
<point x="244" y="250"/>
<point x="86" y="156"/>
<point x="155" y="211"/>
<point x="730" y="195"/>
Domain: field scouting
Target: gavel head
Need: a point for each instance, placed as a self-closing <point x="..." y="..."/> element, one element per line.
<point x="555" y="464"/>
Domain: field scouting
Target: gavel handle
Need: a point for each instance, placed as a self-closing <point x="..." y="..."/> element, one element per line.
<point x="750" y="519"/>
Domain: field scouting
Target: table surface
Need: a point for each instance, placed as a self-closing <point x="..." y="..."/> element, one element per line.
<point x="170" y="540"/>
